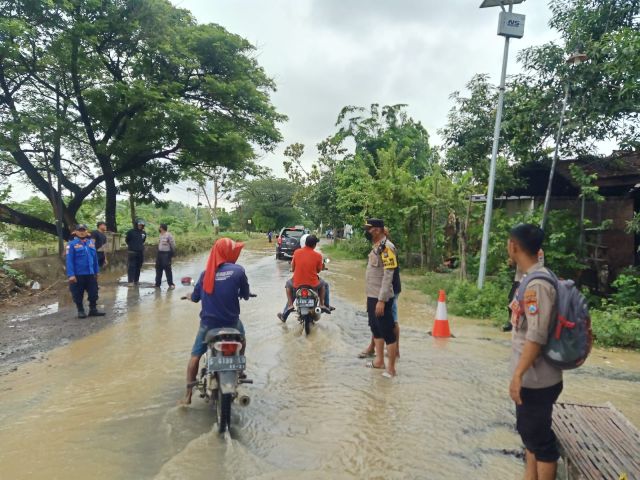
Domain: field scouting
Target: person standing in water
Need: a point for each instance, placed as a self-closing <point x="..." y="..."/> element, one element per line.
<point x="166" y="249"/>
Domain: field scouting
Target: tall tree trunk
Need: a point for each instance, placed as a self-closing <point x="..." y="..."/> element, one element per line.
<point x="132" y="209"/>
<point x="111" y="203"/>
<point x="216" y="227"/>
<point x="464" y="228"/>
<point x="421" y="238"/>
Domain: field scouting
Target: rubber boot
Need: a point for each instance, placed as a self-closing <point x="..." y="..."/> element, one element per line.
<point x="82" y="313"/>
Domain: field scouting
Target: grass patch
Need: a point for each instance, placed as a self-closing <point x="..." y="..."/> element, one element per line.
<point x="464" y="298"/>
<point x="616" y="326"/>
<point x="195" y="242"/>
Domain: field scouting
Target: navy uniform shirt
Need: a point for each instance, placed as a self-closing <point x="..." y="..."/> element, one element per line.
<point x="82" y="258"/>
<point x="222" y="307"/>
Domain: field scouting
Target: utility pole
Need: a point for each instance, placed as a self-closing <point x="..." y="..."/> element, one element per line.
<point x="510" y="25"/>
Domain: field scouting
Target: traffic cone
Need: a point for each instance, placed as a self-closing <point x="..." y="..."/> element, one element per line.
<point x="441" y="323"/>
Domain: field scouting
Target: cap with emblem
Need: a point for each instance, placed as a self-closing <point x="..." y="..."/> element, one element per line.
<point x="374" y="222"/>
<point x="81" y="226"/>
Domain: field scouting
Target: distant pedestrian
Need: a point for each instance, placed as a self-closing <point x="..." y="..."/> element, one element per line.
<point x="270" y="236"/>
<point x="166" y="250"/>
<point x="100" y="240"/>
<point x="82" y="271"/>
<point x="381" y="267"/>
<point x="536" y="384"/>
<point x="135" y="239"/>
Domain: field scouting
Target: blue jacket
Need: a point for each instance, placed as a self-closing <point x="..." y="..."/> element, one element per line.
<point x="222" y="307"/>
<point x="82" y="258"/>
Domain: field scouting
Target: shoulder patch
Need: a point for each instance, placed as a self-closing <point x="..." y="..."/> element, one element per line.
<point x="389" y="259"/>
<point x="531" y="302"/>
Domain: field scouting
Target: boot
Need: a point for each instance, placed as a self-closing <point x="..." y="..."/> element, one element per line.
<point x="94" y="312"/>
<point x="81" y="313"/>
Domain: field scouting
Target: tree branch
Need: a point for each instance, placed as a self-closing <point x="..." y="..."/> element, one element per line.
<point x="9" y="215"/>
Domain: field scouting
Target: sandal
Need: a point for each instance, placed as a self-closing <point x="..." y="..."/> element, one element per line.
<point x="372" y="365"/>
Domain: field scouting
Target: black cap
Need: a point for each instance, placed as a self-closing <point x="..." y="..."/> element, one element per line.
<point x="81" y="226"/>
<point x="140" y="222"/>
<point x="374" y="222"/>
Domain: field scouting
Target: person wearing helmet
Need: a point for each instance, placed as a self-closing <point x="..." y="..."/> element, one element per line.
<point x="135" y="239"/>
<point x="306" y="264"/>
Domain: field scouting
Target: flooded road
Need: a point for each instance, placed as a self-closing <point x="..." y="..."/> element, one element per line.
<point x="103" y="407"/>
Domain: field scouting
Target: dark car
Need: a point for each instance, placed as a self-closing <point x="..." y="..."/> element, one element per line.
<point x="288" y="242"/>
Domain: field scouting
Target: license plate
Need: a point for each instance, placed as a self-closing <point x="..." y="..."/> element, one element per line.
<point x="306" y="302"/>
<point x="219" y="364"/>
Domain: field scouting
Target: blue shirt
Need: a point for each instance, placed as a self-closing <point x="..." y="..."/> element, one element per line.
<point x="82" y="258"/>
<point x="222" y="307"/>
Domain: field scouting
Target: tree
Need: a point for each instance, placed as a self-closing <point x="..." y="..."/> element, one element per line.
<point x="103" y="89"/>
<point x="268" y="203"/>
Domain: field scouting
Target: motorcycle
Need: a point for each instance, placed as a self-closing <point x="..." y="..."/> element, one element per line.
<point x="307" y="303"/>
<point x="222" y="372"/>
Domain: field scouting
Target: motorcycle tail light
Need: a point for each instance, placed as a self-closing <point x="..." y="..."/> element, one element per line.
<point x="305" y="293"/>
<point x="227" y="349"/>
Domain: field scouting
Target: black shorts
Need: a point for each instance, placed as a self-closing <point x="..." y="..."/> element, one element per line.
<point x="533" y="421"/>
<point x="381" y="327"/>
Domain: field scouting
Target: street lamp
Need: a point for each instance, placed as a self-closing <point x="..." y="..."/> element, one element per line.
<point x="510" y="25"/>
<point x="575" y="58"/>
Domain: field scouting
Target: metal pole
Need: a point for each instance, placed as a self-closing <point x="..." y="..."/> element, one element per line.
<point x="547" y="197"/>
<point x="492" y="172"/>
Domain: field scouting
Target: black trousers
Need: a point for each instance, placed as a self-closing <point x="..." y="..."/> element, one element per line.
<point x="163" y="264"/>
<point x="382" y="327"/>
<point x="101" y="259"/>
<point x="534" y="421"/>
<point x="84" y="283"/>
<point x="136" y="259"/>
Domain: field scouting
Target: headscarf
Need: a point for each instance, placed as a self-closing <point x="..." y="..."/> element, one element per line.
<point x="224" y="250"/>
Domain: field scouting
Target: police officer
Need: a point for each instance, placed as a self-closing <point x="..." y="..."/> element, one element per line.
<point x="535" y="383"/>
<point x="82" y="271"/>
<point x="100" y="239"/>
<point x="135" y="239"/>
<point x="382" y="264"/>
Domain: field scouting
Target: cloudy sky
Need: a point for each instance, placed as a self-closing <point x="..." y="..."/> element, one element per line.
<point x="325" y="54"/>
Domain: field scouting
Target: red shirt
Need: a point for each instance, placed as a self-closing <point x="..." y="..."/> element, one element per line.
<point x="306" y="264"/>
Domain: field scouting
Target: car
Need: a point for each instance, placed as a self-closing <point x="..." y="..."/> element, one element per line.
<point x="288" y="241"/>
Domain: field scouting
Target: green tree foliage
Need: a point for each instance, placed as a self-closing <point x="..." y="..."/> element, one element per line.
<point x="268" y="203"/>
<point x="94" y="91"/>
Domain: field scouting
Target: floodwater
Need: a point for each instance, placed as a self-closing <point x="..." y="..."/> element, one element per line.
<point x="103" y="407"/>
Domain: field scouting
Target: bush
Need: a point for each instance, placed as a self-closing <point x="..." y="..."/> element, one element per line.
<point x="354" y="248"/>
<point x="19" y="278"/>
<point x="465" y="299"/>
<point x="617" y="326"/>
<point x="627" y="287"/>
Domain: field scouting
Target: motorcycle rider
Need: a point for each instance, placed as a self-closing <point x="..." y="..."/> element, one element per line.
<point x="305" y="265"/>
<point x="219" y="288"/>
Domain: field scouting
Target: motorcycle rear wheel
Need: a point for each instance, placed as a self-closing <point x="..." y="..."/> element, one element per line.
<point x="307" y="324"/>
<point x="223" y="411"/>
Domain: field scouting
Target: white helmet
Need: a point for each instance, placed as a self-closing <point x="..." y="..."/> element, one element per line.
<point x="303" y="239"/>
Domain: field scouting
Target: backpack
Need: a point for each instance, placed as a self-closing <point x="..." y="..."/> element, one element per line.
<point x="570" y="337"/>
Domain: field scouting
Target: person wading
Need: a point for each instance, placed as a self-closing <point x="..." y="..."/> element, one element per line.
<point x="100" y="239"/>
<point x="219" y="288"/>
<point x="370" y="351"/>
<point x="535" y="384"/>
<point x="381" y="266"/>
<point x="166" y="250"/>
<point x="82" y="271"/>
<point x="135" y="239"/>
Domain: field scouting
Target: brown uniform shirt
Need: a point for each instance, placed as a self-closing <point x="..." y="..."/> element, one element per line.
<point x="531" y="320"/>
<point x="379" y="275"/>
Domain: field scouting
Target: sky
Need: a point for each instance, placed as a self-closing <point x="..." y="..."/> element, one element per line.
<point x="326" y="54"/>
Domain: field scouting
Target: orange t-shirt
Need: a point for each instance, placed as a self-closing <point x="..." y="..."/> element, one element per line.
<point x="306" y="264"/>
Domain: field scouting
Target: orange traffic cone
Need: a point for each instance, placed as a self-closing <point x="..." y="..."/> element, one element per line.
<point x="441" y="323"/>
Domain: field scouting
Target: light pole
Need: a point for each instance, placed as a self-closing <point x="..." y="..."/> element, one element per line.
<point x="510" y="25"/>
<point x="575" y="59"/>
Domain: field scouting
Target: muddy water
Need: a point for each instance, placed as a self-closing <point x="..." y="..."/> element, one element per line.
<point x="103" y="407"/>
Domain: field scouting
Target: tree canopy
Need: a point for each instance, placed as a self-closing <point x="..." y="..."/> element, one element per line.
<point x="93" y="92"/>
